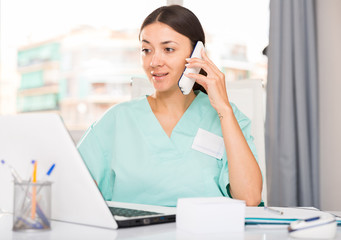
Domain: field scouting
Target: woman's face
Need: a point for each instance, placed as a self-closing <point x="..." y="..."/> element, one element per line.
<point x="163" y="55"/>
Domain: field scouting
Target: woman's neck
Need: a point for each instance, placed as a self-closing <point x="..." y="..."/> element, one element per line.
<point x="169" y="108"/>
<point x="175" y="103"/>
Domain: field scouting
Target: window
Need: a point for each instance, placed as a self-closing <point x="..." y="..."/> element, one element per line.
<point x="77" y="57"/>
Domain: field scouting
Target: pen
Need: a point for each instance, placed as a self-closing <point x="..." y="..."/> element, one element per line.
<point x="50" y="170"/>
<point x="275" y="211"/>
<point x="39" y="211"/>
<point x="34" y="192"/>
<point x="29" y="223"/>
<point x="48" y="173"/>
<point x="14" y="173"/>
<point x="30" y="169"/>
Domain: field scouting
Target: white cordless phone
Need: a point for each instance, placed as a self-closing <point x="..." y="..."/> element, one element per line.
<point x="186" y="83"/>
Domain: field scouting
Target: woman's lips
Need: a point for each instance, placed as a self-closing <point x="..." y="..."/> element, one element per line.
<point x="159" y="76"/>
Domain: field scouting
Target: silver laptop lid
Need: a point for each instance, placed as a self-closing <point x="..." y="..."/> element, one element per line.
<point x="44" y="138"/>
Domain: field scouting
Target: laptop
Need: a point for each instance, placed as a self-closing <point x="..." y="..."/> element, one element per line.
<point x="75" y="196"/>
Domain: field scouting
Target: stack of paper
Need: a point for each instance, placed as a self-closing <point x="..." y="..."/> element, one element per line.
<point x="210" y="215"/>
<point x="279" y="215"/>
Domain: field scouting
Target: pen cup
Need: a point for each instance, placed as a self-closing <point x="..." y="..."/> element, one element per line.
<point x="32" y="206"/>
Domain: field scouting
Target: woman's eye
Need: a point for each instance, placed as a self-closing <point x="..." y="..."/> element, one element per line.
<point x="145" y="50"/>
<point x="169" y="49"/>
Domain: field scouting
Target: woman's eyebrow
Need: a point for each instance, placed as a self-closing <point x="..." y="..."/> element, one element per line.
<point x="167" y="42"/>
<point x="163" y="43"/>
<point x="143" y="40"/>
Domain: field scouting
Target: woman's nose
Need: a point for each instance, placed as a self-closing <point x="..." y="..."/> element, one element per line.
<point x="157" y="60"/>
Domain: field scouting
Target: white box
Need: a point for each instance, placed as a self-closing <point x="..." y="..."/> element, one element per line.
<point x="210" y="215"/>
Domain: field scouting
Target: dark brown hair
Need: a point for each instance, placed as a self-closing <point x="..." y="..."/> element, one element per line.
<point x="183" y="21"/>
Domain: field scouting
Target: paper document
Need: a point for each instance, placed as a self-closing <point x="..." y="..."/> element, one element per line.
<point x="209" y="143"/>
<point x="260" y="215"/>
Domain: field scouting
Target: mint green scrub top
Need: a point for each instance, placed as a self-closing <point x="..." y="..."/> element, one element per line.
<point x="133" y="160"/>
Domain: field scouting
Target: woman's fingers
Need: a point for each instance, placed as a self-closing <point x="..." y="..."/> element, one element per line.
<point x="214" y="82"/>
<point x="215" y="78"/>
<point x="204" y="63"/>
<point x="212" y="71"/>
<point x="205" y="57"/>
<point x="207" y="82"/>
<point x="201" y="79"/>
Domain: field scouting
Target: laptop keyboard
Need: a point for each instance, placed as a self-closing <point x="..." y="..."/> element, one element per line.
<point x="127" y="212"/>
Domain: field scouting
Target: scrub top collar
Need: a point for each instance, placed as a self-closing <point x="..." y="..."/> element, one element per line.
<point x="186" y="126"/>
<point x="192" y="114"/>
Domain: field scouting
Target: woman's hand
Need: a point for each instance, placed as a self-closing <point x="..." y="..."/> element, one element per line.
<point x="214" y="82"/>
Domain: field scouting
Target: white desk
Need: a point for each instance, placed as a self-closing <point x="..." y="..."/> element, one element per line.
<point x="167" y="231"/>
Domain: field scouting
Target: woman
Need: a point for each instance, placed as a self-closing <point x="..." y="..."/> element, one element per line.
<point x="142" y="151"/>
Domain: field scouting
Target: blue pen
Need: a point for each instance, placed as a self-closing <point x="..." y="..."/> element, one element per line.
<point x="50" y="170"/>
<point x="48" y="173"/>
<point x="39" y="211"/>
<point x="29" y="223"/>
<point x="14" y="173"/>
<point x="30" y="170"/>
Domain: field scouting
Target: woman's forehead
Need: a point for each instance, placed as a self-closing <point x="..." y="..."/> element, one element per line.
<point x="161" y="33"/>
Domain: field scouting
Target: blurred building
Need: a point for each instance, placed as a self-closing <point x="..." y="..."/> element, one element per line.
<point x="79" y="75"/>
<point x="82" y="73"/>
<point x="232" y="59"/>
<point x="235" y="63"/>
<point x="96" y="73"/>
<point x="237" y="66"/>
<point x="39" y="66"/>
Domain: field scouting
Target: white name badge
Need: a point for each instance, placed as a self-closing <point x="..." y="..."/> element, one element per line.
<point x="209" y="143"/>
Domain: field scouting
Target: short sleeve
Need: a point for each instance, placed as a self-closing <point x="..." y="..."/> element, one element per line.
<point x="97" y="161"/>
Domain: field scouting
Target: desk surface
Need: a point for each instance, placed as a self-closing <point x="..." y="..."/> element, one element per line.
<point x="167" y="231"/>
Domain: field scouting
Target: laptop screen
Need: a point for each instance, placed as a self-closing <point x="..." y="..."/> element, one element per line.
<point x="44" y="138"/>
<point x="75" y="196"/>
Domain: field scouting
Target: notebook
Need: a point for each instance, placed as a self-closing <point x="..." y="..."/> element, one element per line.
<point x="282" y="215"/>
<point x="75" y="197"/>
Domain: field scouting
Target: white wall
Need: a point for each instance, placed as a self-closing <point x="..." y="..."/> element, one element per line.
<point x="329" y="45"/>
